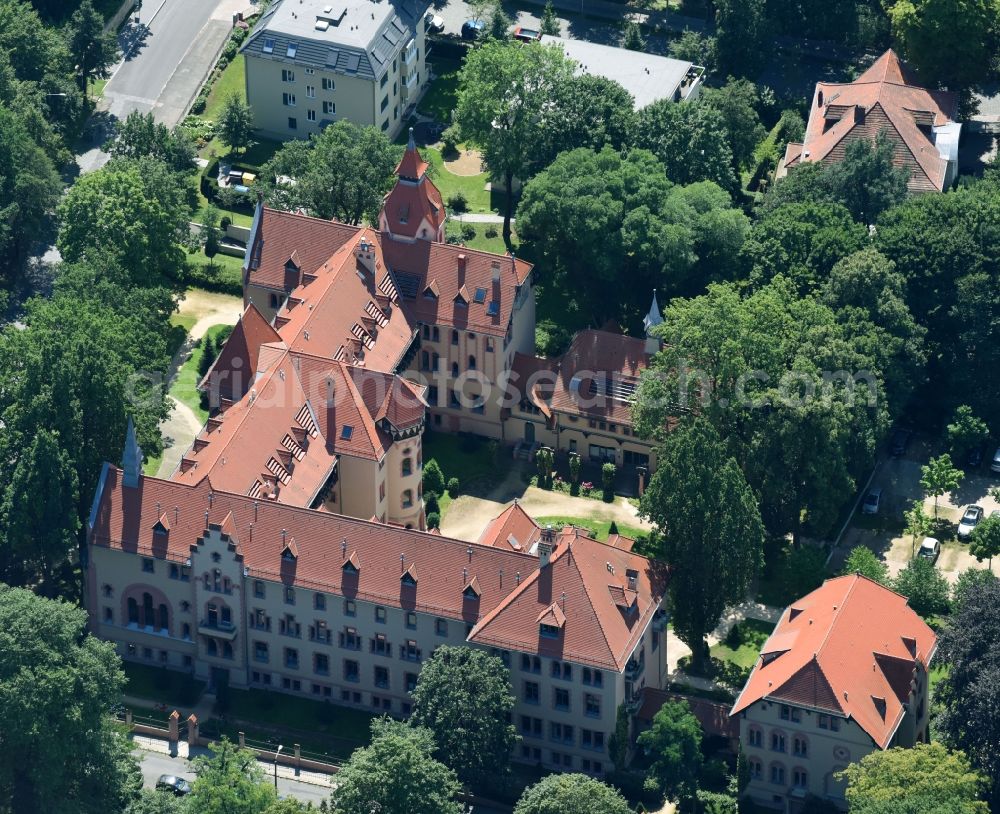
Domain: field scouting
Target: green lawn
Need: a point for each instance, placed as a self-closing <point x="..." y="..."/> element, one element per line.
<point x="185" y="385"/>
<point x="473" y="187"/>
<point x="599" y="528"/>
<point x="938" y="671"/>
<point x="481" y="241"/>
<point x="223" y="269"/>
<point x="161" y="685"/>
<point x="466" y="457"/>
<point x="334" y="729"/>
<point x="441" y="96"/>
<point x="231" y="80"/>
<point x="742" y="646"/>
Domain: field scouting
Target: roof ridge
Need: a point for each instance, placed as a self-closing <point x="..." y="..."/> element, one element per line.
<point x="586" y="589"/>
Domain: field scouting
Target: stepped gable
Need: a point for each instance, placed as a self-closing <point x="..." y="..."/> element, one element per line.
<point x="884" y="98"/>
<point x="851" y="647"/>
<point x="606" y="597"/>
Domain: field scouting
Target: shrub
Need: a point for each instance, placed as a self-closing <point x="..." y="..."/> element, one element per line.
<point x="431" y="505"/>
<point x="458" y="203"/>
<point x="433" y="520"/>
<point x="468" y="231"/>
<point x="453" y="487"/>
<point x="433" y="478"/>
<point x="491" y="231"/>
<point x="449" y="140"/>
<point x="574" y="468"/>
<point x="608" y="472"/>
<point x="225" y="223"/>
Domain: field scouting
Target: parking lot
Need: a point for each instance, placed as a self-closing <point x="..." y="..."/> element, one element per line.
<point x="899" y="479"/>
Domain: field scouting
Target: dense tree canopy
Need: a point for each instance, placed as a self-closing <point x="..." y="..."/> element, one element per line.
<point x="51" y="671"/>
<point x="342" y="173"/>
<point x="94" y="49"/>
<point x="134" y="211"/>
<point x="970" y="692"/>
<point x="690" y="139"/>
<point x="571" y="794"/>
<point x="463" y="697"/>
<point x="140" y="135"/>
<point x="673" y="743"/>
<point x="738" y="101"/>
<point x="924" y="586"/>
<point x="594" y="112"/>
<point x="788" y="387"/>
<point x="712" y="533"/>
<point x="862" y="560"/>
<point x="396" y="772"/>
<point x="636" y="231"/>
<point x="927" y="779"/>
<point x="740" y="36"/>
<point x="230" y="780"/>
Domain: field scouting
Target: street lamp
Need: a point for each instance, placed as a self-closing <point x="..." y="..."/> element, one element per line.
<point x="280" y="747"/>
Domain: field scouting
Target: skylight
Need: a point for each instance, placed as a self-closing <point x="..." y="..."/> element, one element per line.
<point x="268" y="45"/>
<point x="293" y="47"/>
<point x="493" y="309"/>
<point x="480" y="295"/>
<point x="347" y="432"/>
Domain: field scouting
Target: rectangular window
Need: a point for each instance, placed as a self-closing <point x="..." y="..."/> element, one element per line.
<point x="260" y="652"/>
<point x="321" y="664"/>
<point x="288" y="99"/>
<point x="411" y="620"/>
<point x="258" y="588"/>
<point x="311" y="115"/>
<point x="592" y="705"/>
<point x="147" y="565"/>
<point x="287" y="75"/>
<point x="329" y="108"/>
<point x="289" y="596"/>
<point x="411" y="682"/>
<point x="385" y="125"/>
<point x="531" y="692"/>
<point x="293" y="123"/>
<point x="383" y="80"/>
<point x="310" y="71"/>
<point x="560" y="699"/>
<point x="311" y="91"/>
<point x="777" y="742"/>
<point x="380" y="645"/>
<point x="268" y="45"/>
<point x="328" y="84"/>
<point x="380" y="615"/>
<point x="319" y="602"/>
<point x="593" y="740"/>
<point x="382" y="678"/>
<point x="351" y="671"/>
<point x="350" y="609"/>
<point x="778" y="775"/>
<point x="292" y="658"/>
<point x="441" y="627"/>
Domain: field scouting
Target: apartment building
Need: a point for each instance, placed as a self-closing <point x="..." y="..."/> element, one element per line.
<point x="312" y="62"/>
<point x="260" y="593"/>
<point x="844" y="673"/>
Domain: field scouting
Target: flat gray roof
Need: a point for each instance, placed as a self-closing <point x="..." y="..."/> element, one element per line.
<point x="648" y="77"/>
<point x="352" y="37"/>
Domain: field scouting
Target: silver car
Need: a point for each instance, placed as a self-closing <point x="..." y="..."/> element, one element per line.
<point x="929" y="549"/>
<point x="873" y="500"/>
<point x="971" y="518"/>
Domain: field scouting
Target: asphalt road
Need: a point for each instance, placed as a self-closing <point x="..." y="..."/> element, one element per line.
<point x="154" y="764"/>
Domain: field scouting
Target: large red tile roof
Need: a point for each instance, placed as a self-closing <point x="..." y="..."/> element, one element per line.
<point x="414" y="198"/>
<point x="507" y="593"/>
<point x="850" y="647"/>
<point x="885" y="97"/>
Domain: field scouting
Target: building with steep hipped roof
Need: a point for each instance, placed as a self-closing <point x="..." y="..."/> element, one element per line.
<point x="267" y="594"/>
<point x="920" y="123"/>
<point x="844" y="673"/>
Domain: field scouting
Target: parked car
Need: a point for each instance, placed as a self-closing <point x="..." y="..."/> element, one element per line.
<point x="526" y="34"/>
<point x="974" y="457"/>
<point x="929" y="549"/>
<point x="873" y="500"/>
<point x="995" y="465"/>
<point x="433" y="22"/>
<point x="172" y="783"/>
<point x="971" y="518"/>
<point x="900" y="441"/>
<point x="473" y="29"/>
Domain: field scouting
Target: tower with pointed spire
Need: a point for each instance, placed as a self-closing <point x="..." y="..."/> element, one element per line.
<point x="414" y="209"/>
<point x="649" y="322"/>
<point x="131" y="458"/>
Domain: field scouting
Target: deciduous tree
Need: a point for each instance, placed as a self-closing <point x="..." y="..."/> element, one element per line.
<point x="924" y="586"/>
<point x="506" y="105"/>
<point x="938" y="476"/>
<point x="463" y="696"/>
<point x="140" y="135"/>
<point x="674" y="745"/>
<point x="738" y="101"/>
<point x="571" y="794"/>
<point x="966" y="431"/>
<point x="94" y="49"/>
<point x="396" y="772"/>
<point x="235" y="124"/>
<point x="51" y="670"/>
<point x="740" y="36"/>
<point x="230" y="780"/>
<point x="703" y="508"/>
<point x="862" y="560"/>
<point x="984" y="543"/>
<point x="866" y="181"/>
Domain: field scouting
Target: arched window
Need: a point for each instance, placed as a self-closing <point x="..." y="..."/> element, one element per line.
<point x="227" y="650"/>
<point x="756" y="768"/>
<point x="148" y="620"/>
<point x="211" y="647"/>
<point x="133" y="611"/>
<point x="407" y="467"/>
<point x="185" y="631"/>
<point x="454" y="370"/>
<point x="407" y="498"/>
<point x="800" y="746"/>
<point x="454" y="337"/>
<point x="164" y="615"/>
<point x="472" y="363"/>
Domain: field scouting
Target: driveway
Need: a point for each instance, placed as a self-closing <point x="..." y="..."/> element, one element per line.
<point x="884" y="534"/>
<point x="166" y="59"/>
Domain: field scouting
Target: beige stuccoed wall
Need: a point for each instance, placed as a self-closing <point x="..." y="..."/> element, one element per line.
<point x="358" y="488"/>
<point x="397" y="483"/>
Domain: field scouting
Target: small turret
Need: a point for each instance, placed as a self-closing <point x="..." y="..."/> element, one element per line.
<point x="131" y="458"/>
<point x="651" y="321"/>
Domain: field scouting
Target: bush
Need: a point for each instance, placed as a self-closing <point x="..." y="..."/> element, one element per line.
<point x="431" y="505"/>
<point x="925" y="587"/>
<point x="449" y="141"/>
<point x="468" y="231"/>
<point x="433" y="478"/>
<point x="458" y="203"/>
<point x="225" y="223"/>
<point x="491" y="231"/>
<point x="453" y="487"/>
<point x="433" y="520"/>
<point x="608" y="472"/>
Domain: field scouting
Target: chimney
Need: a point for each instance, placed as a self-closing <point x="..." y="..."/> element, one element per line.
<point x="496" y="271"/>
<point x="461" y="265"/>
<point x="545" y="546"/>
<point x="365" y="253"/>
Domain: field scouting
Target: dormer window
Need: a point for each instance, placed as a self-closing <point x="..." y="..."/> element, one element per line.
<point x="409" y="577"/>
<point x="268" y="45"/>
<point x="351" y="564"/>
<point x="290" y="52"/>
<point x="548" y="631"/>
<point x="471" y="591"/>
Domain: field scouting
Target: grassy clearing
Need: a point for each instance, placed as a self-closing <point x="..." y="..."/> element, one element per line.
<point x="232" y="80"/>
<point x="442" y="96"/>
<point x="481" y="241"/>
<point x="222" y="272"/>
<point x="471" y="459"/>
<point x="161" y="685"/>
<point x="599" y="528"/>
<point x="742" y="646"/>
<point x="472" y="187"/>
<point x="185" y="386"/>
